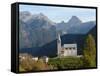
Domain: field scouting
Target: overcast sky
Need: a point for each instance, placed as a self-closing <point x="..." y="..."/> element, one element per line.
<point x="58" y="14"/>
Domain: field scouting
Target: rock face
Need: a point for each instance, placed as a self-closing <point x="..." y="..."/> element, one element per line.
<point x="75" y="26"/>
<point x="35" y="30"/>
<point x="82" y="28"/>
<point x="38" y="31"/>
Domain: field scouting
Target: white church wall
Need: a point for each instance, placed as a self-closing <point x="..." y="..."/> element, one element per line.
<point x="70" y="49"/>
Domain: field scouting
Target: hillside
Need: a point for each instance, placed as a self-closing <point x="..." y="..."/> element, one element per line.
<point x="50" y="49"/>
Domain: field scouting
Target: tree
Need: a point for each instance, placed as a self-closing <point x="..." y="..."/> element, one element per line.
<point x="90" y="52"/>
<point x="39" y="65"/>
<point x="26" y="64"/>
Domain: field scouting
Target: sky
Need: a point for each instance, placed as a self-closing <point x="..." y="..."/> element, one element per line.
<point x="58" y="14"/>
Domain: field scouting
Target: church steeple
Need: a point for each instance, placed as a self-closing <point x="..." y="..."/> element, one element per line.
<point x="58" y="45"/>
<point x="59" y="37"/>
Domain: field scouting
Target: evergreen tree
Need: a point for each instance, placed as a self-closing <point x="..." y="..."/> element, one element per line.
<point x="90" y="52"/>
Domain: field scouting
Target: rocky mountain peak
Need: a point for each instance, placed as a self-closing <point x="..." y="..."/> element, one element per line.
<point x="74" y="20"/>
<point x="25" y="16"/>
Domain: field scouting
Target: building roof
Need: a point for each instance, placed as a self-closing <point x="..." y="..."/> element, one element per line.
<point x="70" y="45"/>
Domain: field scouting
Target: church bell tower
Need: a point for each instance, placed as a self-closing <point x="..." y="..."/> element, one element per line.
<point x="58" y="45"/>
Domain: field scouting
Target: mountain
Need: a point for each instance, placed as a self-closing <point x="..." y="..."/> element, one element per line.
<point x="74" y="21"/>
<point x="25" y="16"/>
<point x="24" y="35"/>
<point x="83" y="28"/>
<point x="61" y="26"/>
<point x="75" y="26"/>
<point x="35" y="30"/>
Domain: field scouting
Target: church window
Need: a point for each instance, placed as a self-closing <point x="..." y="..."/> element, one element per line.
<point x="66" y="48"/>
<point x="70" y="48"/>
<point x="73" y="48"/>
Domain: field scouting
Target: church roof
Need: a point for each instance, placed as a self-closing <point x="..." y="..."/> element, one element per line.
<point x="70" y="45"/>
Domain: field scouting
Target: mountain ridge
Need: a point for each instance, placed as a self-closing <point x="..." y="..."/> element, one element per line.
<point x="37" y="30"/>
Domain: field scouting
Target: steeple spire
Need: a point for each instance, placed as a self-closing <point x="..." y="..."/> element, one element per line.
<point x="58" y="45"/>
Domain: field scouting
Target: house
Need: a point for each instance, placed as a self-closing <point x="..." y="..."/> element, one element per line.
<point x="23" y="56"/>
<point x="35" y="58"/>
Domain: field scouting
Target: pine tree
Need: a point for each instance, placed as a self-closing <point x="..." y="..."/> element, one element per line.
<point x="90" y="52"/>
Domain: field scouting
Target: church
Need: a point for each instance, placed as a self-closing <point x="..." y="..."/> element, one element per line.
<point x="66" y="49"/>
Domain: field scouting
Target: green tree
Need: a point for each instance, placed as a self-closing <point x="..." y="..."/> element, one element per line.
<point x="90" y="52"/>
